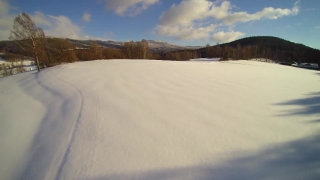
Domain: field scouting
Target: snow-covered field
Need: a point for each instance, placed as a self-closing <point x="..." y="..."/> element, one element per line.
<point x="205" y="59"/>
<point x="24" y="62"/>
<point x="139" y="119"/>
<point x="28" y="65"/>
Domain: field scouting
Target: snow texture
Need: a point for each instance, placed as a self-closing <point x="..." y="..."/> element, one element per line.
<point x="140" y="119"/>
<point x="206" y="59"/>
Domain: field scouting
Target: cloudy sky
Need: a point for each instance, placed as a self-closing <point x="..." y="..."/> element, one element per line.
<point x="185" y="22"/>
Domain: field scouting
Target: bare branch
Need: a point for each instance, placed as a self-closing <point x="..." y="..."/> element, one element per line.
<point x="27" y="35"/>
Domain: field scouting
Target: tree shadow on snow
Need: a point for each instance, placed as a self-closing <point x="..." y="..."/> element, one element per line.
<point x="309" y="106"/>
<point x="299" y="159"/>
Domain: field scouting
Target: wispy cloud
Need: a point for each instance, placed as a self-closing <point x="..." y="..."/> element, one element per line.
<point x="317" y="27"/>
<point x="86" y="17"/>
<point x="226" y="36"/>
<point x="186" y="20"/>
<point x="4" y="7"/>
<point x="58" y="26"/>
<point x="185" y="32"/>
<point x="41" y="19"/>
<point x="6" y="20"/>
<point x="311" y="9"/>
<point x="129" y="7"/>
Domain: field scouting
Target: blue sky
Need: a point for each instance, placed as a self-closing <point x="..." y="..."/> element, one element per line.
<point x="185" y="22"/>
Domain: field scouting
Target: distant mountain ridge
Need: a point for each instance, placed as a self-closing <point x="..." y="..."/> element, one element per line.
<point x="154" y="46"/>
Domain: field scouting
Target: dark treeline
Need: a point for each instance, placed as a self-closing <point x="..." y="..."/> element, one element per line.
<point x="56" y="51"/>
<point x="130" y="50"/>
<point x="51" y="51"/>
<point x="267" y="47"/>
<point x="263" y="47"/>
<point x="181" y="55"/>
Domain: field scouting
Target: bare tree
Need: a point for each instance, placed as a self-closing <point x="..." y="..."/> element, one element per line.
<point x="137" y="50"/>
<point x="145" y="49"/>
<point x="27" y="35"/>
<point x="56" y="51"/>
<point x="96" y="50"/>
<point x="129" y="49"/>
<point x="208" y="50"/>
<point x="239" y="49"/>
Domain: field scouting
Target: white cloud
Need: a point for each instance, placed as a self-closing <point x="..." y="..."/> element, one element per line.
<point x="266" y="13"/>
<point x="63" y="27"/>
<point x="4" y="7"/>
<point x="86" y="17"/>
<point x="185" y="20"/>
<point x="40" y="19"/>
<point x="186" y="12"/>
<point x="224" y="37"/>
<point x="6" y="20"/>
<point x="56" y="26"/>
<point x="129" y="7"/>
<point x="185" y="32"/>
<point x="317" y="27"/>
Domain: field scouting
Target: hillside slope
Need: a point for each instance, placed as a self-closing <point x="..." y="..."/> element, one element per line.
<point x="264" y="47"/>
<point x="125" y="119"/>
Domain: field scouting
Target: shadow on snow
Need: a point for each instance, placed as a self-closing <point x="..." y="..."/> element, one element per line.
<point x="308" y="106"/>
<point x="298" y="159"/>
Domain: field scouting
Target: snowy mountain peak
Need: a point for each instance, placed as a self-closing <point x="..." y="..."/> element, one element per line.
<point x="154" y="45"/>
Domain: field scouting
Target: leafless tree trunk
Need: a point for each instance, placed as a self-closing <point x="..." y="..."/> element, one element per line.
<point x="96" y="50"/>
<point x="128" y="47"/>
<point x="145" y="48"/>
<point x="239" y="48"/>
<point x="27" y="35"/>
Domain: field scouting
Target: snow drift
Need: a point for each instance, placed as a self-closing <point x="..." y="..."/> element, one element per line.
<point x="206" y="59"/>
<point x="125" y="119"/>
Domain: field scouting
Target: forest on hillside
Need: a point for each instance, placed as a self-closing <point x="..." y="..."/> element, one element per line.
<point x="273" y="48"/>
<point x="56" y="50"/>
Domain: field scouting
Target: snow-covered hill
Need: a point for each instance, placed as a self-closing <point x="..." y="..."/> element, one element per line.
<point x="125" y="119"/>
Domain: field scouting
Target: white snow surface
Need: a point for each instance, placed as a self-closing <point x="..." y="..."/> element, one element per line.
<point x="17" y="62"/>
<point x="140" y="119"/>
<point x="206" y="59"/>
